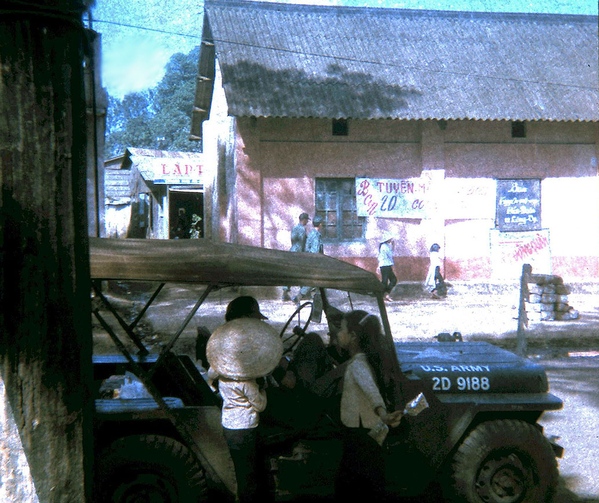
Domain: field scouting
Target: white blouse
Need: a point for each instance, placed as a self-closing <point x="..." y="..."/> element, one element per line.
<point x="242" y="403"/>
<point x="361" y="396"/>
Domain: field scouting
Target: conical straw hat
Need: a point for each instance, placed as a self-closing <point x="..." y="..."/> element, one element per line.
<point x="245" y="348"/>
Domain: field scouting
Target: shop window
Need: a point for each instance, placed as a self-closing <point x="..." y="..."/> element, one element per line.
<point x="336" y="204"/>
<point x="340" y="127"/>
<point x="518" y="129"/>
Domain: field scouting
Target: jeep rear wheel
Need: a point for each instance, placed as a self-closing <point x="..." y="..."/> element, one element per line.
<point x="504" y="461"/>
<point x="149" y="469"/>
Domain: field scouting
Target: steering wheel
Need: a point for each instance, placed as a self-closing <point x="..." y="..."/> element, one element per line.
<point x="299" y="331"/>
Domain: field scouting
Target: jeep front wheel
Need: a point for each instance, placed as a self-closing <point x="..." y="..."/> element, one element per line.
<point x="504" y="461"/>
<point x="149" y="469"/>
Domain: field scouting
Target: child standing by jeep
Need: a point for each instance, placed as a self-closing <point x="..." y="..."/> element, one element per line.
<point x="243" y="400"/>
<point x="242" y="403"/>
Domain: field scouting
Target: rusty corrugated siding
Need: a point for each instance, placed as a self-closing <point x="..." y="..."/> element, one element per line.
<point x="315" y="61"/>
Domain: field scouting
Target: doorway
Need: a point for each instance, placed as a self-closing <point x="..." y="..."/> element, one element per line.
<point x="186" y="214"/>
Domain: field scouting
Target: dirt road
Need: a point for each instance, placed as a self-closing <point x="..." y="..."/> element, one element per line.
<point x="489" y="317"/>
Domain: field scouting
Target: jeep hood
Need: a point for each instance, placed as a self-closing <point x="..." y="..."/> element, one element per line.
<point x="470" y="367"/>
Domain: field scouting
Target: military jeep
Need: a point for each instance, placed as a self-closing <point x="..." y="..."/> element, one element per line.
<point x="477" y="442"/>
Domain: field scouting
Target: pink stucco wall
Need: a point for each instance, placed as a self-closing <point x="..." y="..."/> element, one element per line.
<point x="277" y="161"/>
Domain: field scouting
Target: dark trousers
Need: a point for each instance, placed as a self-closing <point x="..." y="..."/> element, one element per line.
<point x="252" y="484"/>
<point x="389" y="279"/>
<point x="361" y="475"/>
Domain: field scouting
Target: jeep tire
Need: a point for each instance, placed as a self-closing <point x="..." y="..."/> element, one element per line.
<point x="149" y="469"/>
<point x="503" y="461"/>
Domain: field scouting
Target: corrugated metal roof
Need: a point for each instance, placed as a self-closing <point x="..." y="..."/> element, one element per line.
<point x="117" y="175"/>
<point x="142" y="158"/>
<point x="331" y="62"/>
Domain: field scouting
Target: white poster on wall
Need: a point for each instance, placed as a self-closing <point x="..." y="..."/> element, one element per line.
<point x="393" y="197"/>
<point x="511" y="250"/>
<point x="469" y="198"/>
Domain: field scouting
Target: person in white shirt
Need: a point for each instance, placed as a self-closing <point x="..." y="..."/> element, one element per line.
<point x="364" y="412"/>
<point x="386" y="263"/>
<point x="242" y="403"/>
<point x="435" y="261"/>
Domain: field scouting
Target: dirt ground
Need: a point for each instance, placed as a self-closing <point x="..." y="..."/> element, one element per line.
<point x="413" y="317"/>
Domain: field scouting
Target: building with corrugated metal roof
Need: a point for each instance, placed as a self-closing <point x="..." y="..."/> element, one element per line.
<point x="477" y="131"/>
<point x="157" y="194"/>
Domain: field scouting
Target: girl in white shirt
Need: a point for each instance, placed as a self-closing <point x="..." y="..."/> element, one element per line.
<point x="363" y="411"/>
<point x="242" y="403"/>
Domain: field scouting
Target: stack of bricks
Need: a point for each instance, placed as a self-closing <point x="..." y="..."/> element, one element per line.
<point x="548" y="299"/>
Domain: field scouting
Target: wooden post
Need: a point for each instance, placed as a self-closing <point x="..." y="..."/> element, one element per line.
<point x="45" y="312"/>
<point x="521" y="346"/>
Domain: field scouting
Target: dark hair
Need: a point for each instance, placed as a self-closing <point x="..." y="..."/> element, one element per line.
<point x="245" y="306"/>
<point x="435" y="247"/>
<point x="367" y="328"/>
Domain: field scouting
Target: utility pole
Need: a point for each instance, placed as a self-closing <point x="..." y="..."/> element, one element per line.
<point x="45" y="312"/>
<point x="521" y="345"/>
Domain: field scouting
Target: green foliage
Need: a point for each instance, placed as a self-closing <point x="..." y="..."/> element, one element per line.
<point x="159" y="118"/>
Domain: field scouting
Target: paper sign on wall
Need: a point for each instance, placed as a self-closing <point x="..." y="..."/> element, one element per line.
<point x="511" y="250"/>
<point x="519" y="205"/>
<point x="469" y="198"/>
<point x="393" y="198"/>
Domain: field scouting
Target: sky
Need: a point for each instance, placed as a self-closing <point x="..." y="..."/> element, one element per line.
<point x="139" y="36"/>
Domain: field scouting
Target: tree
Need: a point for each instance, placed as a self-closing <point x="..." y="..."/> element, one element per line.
<point x="159" y="118"/>
<point x="129" y="123"/>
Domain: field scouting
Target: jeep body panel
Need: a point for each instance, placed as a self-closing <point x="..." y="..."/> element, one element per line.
<point x="189" y="400"/>
<point x="466" y="381"/>
<point x="472" y="368"/>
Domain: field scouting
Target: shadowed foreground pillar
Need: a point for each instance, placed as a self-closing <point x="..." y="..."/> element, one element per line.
<point x="45" y="329"/>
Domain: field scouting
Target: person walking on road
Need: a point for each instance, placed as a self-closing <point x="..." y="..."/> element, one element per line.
<point x="314" y="240"/>
<point x="298" y="243"/>
<point x="385" y="259"/>
<point x="434" y="269"/>
<point x="313" y="245"/>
